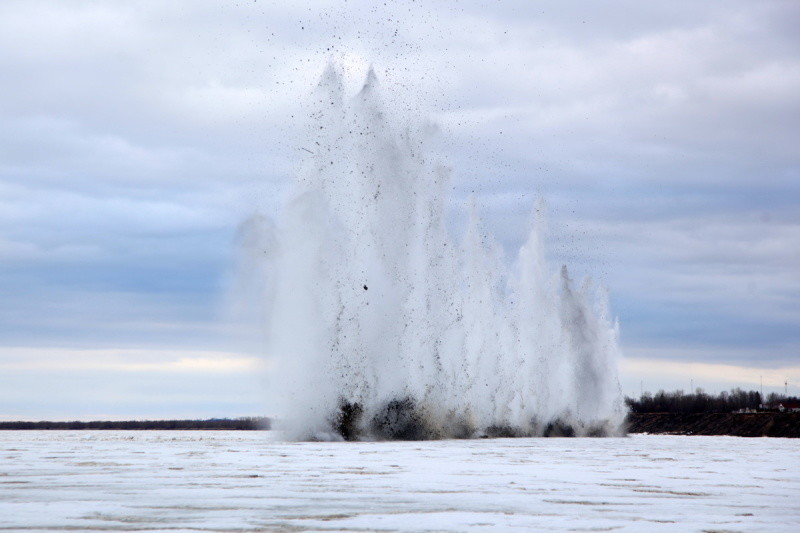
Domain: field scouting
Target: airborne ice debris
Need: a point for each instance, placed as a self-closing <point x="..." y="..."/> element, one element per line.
<point x="384" y="327"/>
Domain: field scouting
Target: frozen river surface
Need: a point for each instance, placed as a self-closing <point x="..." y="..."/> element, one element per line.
<point x="244" y="481"/>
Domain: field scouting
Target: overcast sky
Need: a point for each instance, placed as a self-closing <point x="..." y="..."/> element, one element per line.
<point x="136" y="136"/>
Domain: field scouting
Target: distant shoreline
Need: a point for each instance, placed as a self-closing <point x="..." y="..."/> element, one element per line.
<point x="763" y="424"/>
<point x="225" y="424"/>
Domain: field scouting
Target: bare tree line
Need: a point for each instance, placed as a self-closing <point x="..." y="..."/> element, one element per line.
<point x="701" y="402"/>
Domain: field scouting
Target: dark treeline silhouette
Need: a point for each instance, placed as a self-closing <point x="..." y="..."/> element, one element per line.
<point x="245" y="423"/>
<point x="700" y="402"/>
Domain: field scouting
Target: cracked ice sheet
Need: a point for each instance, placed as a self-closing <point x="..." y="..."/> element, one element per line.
<point x="247" y="481"/>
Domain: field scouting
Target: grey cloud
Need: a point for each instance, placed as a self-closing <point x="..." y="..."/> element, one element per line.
<point x="135" y="137"/>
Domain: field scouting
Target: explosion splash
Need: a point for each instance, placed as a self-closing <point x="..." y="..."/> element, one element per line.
<point x="385" y="327"/>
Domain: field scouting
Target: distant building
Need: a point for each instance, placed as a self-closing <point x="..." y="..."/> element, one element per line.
<point x="782" y="406"/>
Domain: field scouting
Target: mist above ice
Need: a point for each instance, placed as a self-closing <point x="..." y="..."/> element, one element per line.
<point x="383" y="325"/>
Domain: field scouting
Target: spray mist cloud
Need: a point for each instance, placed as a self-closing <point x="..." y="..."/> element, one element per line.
<point x="384" y="326"/>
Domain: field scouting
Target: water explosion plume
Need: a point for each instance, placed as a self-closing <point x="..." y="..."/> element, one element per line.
<point x="384" y="327"/>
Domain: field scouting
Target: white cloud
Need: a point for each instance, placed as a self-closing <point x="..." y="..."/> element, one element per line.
<point x="660" y="373"/>
<point x="128" y="360"/>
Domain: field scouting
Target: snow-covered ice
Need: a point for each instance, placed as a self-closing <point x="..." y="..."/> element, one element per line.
<point x="249" y="481"/>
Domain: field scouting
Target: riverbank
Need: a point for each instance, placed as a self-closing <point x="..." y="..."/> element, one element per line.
<point x="733" y="424"/>
<point x="768" y="424"/>
<point x="238" y="424"/>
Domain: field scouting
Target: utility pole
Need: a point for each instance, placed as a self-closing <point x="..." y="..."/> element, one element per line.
<point x="762" y="387"/>
<point x="786" y="387"/>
